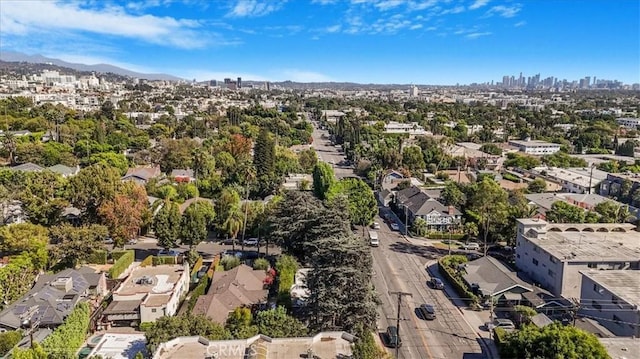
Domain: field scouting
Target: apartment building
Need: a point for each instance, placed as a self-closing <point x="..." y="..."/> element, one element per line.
<point x="148" y="293"/>
<point x="573" y="180"/>
<point x="628" y="122"/>
<point x="553" y="255"/>
<point x="535" y="147"/>
<point x="613" y="299"/>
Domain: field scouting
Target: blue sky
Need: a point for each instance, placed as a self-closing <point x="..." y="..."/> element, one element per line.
<point x="367" y="41"/>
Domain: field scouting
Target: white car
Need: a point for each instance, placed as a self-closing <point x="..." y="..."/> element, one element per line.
<point x="500" y="323"/>
<point x="394" y="226"/>
<point x="471" y="246"/>
<point x="250" y="242"/>
<point x="375" y="225"/>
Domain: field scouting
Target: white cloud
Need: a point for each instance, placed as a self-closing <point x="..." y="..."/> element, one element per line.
<point x="324" y="2"/>
<point x="415" y="27"/>
<point x="303" y="76"/>
<point x="520" y="23"/>
<point x="478" y="4"/>
<point x="454" y="10"/>
<point x="333" y="29"/>
<point x="29" y="18"/>
<point x="475" y="35"/>
<point x="255" y="8"/>
<point x="388" y="4"/>
<point x="421" y="5"/>
<point x="505" y="11"/>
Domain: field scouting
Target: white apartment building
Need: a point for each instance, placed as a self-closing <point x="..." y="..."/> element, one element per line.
<point x="613" y="299"/>
<point x="629" y="122"/>
<point x="553" y="255"/>
<point x="149" y="293"/>
<point x="411" y="128"/>
<point x="573" y="180"/>
<point x="535" y="147"/>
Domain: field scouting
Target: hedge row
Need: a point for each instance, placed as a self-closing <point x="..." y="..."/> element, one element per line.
<point x="118" y="254"/>
<point x="196" y="267"/>
<point x="199" y="290"/>
<point x="8" y="340"/>
<point x="98" y="257"/>
<point x="499" y="336"/>
<point x="157" y="261"/>
<point x="461" y="288"/>
<point x="440" y="235"/>
<point x="147" y="262"/>
<point x="65" y="340"/>
<point x="121" y="264"/>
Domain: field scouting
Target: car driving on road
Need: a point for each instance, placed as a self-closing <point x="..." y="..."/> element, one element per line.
<point x="427" y="311"/>
<point x="436" y="283"/>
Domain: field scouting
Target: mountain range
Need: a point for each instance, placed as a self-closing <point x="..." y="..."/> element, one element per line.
<point x="10" y="56"/>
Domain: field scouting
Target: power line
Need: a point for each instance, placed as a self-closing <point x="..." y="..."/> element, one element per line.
<point x="400" y="295"/>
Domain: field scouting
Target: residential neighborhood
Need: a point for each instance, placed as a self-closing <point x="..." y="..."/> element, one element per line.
<point x="152" y="219"/>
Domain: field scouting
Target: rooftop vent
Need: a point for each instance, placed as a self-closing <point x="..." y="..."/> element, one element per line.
<point x="63" y="284"/>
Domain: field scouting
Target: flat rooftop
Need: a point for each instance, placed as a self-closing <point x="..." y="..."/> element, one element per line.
<point x="622" y="347"/>
<point x="159" y="279"/>
<point x="625" y="284"/>
<point x="120" y="346"/>
<point x="156" y="300"/>
<point x="590" y="246"/>
<point x="577" y="176"/>
<point x="533" y="143"/>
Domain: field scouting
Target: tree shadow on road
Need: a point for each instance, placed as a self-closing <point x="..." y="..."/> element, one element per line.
<point x="422" y="251"/>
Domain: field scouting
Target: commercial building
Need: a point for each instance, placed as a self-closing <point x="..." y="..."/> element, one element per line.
<point x="613" y="299"/>
<point x="535" y="147"/>
<point x="628" y="122"/>
<point x="572" y="180"/>
<point x="554" y="255"/>
<point x="147" y="294"/>
<point x="321" y="345"/>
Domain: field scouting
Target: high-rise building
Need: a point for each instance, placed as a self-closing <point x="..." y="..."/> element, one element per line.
<point x="413" y="91"/>
<point x="587" y="81"/>
<point x="505" y="81"/>
<point x="239" y="83"/>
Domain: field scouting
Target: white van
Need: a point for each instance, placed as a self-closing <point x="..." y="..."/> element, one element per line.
<point x="373" y="238"/>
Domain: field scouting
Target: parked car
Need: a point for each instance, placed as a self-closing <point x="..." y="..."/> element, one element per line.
<point x="394" y="226"/>
<point x="229" y="241"/>
<point x="250" y="242"/>
<point x="393" y="339"/>
<point x="170" y="252"/>
<point x="108" y="240"/>
<point x="427" y="311"/>
<point x="436" y="283"/>
<point x="500" y="323"/>
<point x="471" y="246"/>
<point x="375" y="225"/>
<point x="230" y="252"/>
<point x="132" y="242"/>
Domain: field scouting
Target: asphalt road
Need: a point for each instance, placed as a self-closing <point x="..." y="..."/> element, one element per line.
<point x="329" y="153"/>
<point x="401" y="266"/>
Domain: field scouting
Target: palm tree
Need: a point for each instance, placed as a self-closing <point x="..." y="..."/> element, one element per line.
<point x="9" y="143"/>
<point x="233" y="224"/>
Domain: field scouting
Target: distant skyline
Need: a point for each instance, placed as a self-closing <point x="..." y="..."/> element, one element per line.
<point x="439" y="42"/>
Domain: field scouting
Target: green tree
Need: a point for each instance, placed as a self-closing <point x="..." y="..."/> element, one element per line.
<point x="521" y="161"/>
<point x="74" y="245"/>
<point x="28" y="239"/>
<point x="261" y="264"/>
<point x="167" y="328"/>
<point x="488" y="206"/>
<point x="452" y="195"/>
<point x="91" y="187"/>
<point x="276" y="323"/>
<point x="167" y="225"/>
<point x="323" y="178"/>
<point x="538" y="185"/>
<point x="43" y="197"/>
<point x="111" y="159"/>
<point x="419" y="227"/>
<point x="8" y="340"/>
<point x="362" y="202"/>
<point x="365" y="347"/>
<point x="229" y="262"/>
<point x="413" y="159"/>
<point x="611" y="212"/>
<point x="491" y="149"/>
<point x="563" y="212"/>
<point x="308" y="159"/>
<point x="196" y="219"/>
<point x="264" y="154"/>
<point x="552" y="341"/>
<point x="233" y="223"/>
<point x="124" y="214"/>
<point x="239" y="324"/>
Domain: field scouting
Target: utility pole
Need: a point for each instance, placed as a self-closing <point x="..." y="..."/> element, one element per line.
<point x="400" y="295"/>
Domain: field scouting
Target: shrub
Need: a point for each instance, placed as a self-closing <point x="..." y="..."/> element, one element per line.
<point x="229" y="262"/>
<point x="446" y="266"/>
<point x="121" y="264"/>
<point x="261" y="264"/>
<point x="8" y="340"/>
<point x="147" y="262"/>
<point x="66" y="339"/>
<point x="118" y="254"/>
<point x="286" y="268"/>
<point x="444" y="235"/>
<point x="510" y="177"/>
<point x="162" y="260"/>
<point x="196" y="267"/>
<point x="499" y="335"/>
<point x="98" y="257"/>
<point x="145" y="326"/>
<point x="199" y="290"/>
